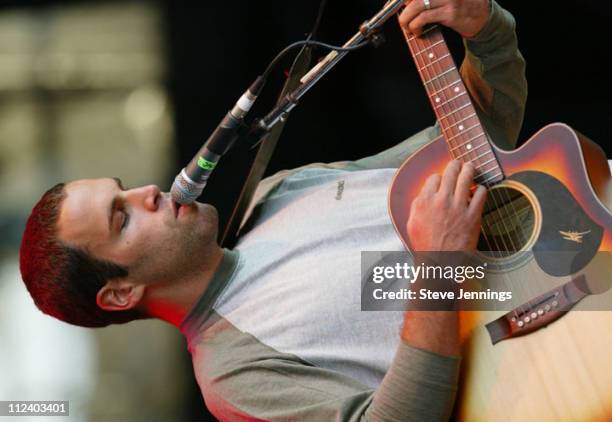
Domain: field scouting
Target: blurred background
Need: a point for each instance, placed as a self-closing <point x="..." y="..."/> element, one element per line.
<point x="132" y="89"/>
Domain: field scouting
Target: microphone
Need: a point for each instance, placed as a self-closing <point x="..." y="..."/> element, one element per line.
<point x="189" y="183"/>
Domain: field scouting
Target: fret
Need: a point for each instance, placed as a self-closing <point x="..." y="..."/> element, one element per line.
<point x="440" y="75"/>
<point x="489" y="179"/>
<point x="446" y="102"/>
<point x="429" y="48"/>
<point x="434" y="62"/>
<point x="463" y="132"/>
<point x="486" y="162"/>
<point x="468" y="141"/>
<point x="425" y="31"/>
<point x="470" y="151"/>
<point x="442" y="89"/>
<point x="462" y="120"/>
<point x="469" y="103"/>
<point x="483" y="174"/>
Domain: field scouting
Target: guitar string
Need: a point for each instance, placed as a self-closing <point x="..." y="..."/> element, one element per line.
<point x="441" y="74"/>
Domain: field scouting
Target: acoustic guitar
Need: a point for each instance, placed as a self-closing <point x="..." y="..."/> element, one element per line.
<point x="546" y="230"/>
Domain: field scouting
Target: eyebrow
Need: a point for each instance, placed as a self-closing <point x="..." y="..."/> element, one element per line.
<point x="119" y="183"/>
<point x="113" y="205"/>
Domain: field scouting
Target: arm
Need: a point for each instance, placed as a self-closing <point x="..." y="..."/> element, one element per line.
<point x="445" y="216"/>
<point x="493" y="71"/>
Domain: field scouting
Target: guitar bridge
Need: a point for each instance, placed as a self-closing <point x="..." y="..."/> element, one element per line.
<point x="539" y="312"/>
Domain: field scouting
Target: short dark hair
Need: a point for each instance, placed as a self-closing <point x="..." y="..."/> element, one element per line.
<point x="64" y="280"/>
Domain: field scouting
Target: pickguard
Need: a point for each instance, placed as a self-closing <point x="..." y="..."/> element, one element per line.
<point x="568" y="238"/>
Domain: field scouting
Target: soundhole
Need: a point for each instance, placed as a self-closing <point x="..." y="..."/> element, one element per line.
<point x="509" y="222"/>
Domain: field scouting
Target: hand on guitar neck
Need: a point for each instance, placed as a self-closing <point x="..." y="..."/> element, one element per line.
<point x="467" y="17"/>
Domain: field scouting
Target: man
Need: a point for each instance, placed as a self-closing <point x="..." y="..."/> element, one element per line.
<point x="275" y="326"/>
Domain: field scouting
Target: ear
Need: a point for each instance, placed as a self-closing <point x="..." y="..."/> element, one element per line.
<point x="119" y="296"/>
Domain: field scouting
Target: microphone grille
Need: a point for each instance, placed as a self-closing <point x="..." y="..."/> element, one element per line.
<point x="184" y="190"/>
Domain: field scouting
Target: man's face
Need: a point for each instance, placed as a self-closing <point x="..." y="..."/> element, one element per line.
<point x="139" y="228"/>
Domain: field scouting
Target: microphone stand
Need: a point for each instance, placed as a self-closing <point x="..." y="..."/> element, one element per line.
<point x="268" y="128"/>
<point x="367" y="31"/>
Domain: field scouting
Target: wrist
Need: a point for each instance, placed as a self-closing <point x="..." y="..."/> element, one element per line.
<point x="499" y="28"/>
<point x="434" y="331"/>
<point x="484" y="21"/>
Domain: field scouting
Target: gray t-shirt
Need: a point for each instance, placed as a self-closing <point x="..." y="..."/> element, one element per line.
<point x="298" y="285"/>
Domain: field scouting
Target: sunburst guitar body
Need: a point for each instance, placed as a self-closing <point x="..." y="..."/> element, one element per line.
<point x="546" y="233"/>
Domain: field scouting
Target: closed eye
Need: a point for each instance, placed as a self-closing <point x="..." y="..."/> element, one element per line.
<point x="126" y="219"/>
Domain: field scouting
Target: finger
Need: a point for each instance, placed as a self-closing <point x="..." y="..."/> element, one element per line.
<point x="464" y="181"/>
<point x="425" y="18"/>
<point x="431" y="185"/>
<point x="478" y="201"/>
<point x="449" y="178"/>
<point x="412" y="10"/>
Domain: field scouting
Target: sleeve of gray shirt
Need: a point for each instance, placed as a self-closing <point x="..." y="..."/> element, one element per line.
<point x="419" y="386"/>
<point x="243" y="379"/>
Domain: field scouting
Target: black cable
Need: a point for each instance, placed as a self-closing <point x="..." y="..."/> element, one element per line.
<point x="261" y="80"/>
<point x="315" y="27"/>
<point x="307" y="42"/>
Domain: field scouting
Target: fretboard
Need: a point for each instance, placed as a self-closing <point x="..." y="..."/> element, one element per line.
<point x="461" y="127"/>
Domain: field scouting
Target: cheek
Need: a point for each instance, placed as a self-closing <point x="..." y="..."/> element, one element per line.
<point x="141" y="239"/>
<point x="157" y="240"/>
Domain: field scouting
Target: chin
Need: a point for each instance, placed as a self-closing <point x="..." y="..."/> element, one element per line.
<point x="209" y="220"/>
<point x="209" y="212"/>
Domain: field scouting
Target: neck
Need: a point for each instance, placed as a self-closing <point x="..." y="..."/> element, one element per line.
<point x="464" y="134"/>
<point x="172" y="301"/>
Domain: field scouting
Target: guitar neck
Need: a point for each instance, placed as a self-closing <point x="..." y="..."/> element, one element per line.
<point x="464" y="134"/>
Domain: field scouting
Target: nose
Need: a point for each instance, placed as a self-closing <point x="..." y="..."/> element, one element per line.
<point x="145" y="196"/>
